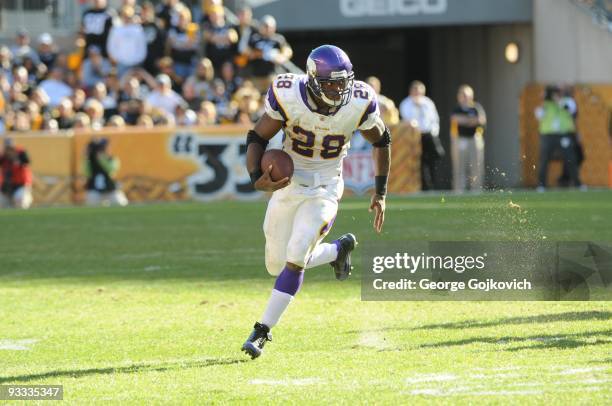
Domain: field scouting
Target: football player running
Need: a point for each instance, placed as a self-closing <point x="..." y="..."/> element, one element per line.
<point x="318" y="113"/>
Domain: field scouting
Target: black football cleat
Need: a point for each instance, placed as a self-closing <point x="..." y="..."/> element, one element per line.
<point x="253" y="346"/>
<point x="342" y="264"/>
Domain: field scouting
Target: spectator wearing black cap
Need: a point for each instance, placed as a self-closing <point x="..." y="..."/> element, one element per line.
<point x="15" y="177"/>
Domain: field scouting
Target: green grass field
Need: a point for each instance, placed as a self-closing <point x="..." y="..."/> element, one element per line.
<point x="151" y="304"/>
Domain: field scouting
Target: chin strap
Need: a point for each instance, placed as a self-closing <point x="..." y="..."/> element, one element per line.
<point x="312" y="101"/>
<point x="329" y="102"/>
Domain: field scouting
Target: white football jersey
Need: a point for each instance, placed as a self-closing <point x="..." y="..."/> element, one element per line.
<point x="318" y="143"/>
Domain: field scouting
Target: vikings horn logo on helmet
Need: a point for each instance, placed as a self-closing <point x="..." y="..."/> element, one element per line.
<point x="329" y="64"/>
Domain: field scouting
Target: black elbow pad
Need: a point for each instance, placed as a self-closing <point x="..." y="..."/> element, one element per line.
<point x="253" y="137"/>
<point x="385" y="140"/>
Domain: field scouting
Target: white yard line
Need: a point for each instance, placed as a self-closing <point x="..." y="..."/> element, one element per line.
<point x="510" y="383"/>
<point x="286" y="382"/>
<point x="467" y="391"/>
<point x="17" y="345"/>
<point x="431" y="378"/>
<point x="575" y="371"/>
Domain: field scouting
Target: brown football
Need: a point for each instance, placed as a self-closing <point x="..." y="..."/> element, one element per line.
<point x="282" y="164"/>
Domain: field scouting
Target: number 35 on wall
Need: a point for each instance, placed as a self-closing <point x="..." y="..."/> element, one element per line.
<point x="221" y="165"/>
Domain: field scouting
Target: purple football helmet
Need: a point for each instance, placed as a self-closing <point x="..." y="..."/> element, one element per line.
<point x="330" y="75"/>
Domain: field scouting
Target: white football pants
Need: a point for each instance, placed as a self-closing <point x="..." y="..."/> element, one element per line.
<point x="297" y="220"/>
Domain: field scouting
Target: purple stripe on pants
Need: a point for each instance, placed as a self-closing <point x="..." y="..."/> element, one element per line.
<point x="327" y="226"/>
<point x="289" y="281"/>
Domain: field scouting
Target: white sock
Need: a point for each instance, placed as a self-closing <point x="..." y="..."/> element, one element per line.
<point x="323" y="254"/>
<point x="277" y="304"/>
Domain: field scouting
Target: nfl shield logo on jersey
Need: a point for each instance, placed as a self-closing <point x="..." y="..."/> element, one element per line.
<point x="357" y="167"/>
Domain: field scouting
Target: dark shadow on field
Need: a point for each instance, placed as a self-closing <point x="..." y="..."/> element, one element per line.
<point x="247" y="274"/>
<point x="540" y="318"/>
<point x="473" y="323"/>
<point x="128" y="369"/>
<point x="601" y="361"/>
<point x="556" y="341"/>
<point x="211" y="265"/>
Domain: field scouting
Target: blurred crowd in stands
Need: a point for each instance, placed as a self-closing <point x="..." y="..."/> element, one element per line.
<point x="601" y="11"/>
<point x="145" y="64"/>
<point x="142" y="64"/>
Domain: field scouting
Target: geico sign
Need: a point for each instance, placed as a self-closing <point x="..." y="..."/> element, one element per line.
<point x="370" y="8"/>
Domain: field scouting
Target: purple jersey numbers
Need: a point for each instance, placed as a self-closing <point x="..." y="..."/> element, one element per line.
<point x="361" y="94"/>
<point x="360" y="91"/>
<point x="331" y="145"/>
<point x="305" y="145"/>
<point x="284" y="81"/>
